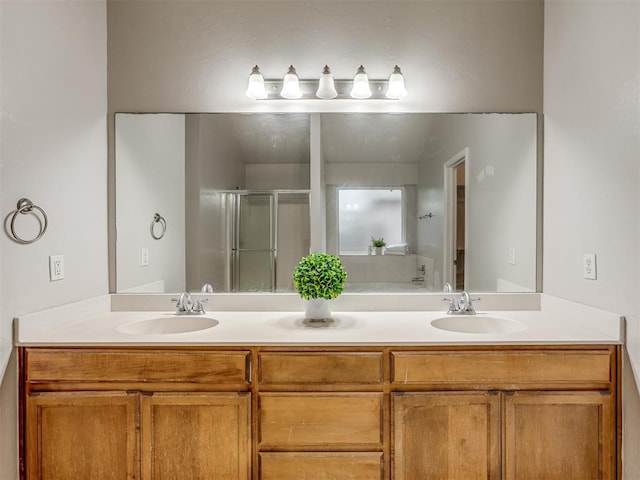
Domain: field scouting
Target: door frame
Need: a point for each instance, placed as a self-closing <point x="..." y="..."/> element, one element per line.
<point x="450" y="202"/>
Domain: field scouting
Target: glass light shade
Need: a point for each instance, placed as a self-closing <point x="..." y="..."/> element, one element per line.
<point x="256" y="89"/>
<point x="291" y="85"/>
<point x="397" y="89"/>
<point x="361" y="84"/>
<point x="326" y="85"/>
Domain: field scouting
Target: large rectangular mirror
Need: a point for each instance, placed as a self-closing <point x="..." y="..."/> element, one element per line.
<point x="453" y="197"/>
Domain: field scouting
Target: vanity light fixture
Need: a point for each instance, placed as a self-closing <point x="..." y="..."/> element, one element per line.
<point x="396" y="90"/>
<point x="256" y="88"/>
<point x="361" y="89"/>
<point x="291" y="85"/>
<point x="326" y="87"/>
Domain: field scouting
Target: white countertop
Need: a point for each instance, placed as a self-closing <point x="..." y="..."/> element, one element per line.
<point x="556" y="322"/>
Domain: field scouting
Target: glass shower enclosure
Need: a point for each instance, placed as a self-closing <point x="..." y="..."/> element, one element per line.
<point x="253" y="240"/>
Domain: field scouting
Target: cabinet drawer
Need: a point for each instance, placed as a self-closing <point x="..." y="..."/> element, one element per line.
<point x="320" y="368"/>
<point x="88" y="365"/>
<point x="321" y="420"/>
<point x="526" y="367"/>
<point x="320" y="466"/>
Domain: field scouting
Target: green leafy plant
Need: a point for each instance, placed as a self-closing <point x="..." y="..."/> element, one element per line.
<point x="319" y="275"/>
<point x="378" y="242"/>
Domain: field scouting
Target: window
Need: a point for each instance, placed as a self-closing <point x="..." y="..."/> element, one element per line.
<point x="369" y="212"/>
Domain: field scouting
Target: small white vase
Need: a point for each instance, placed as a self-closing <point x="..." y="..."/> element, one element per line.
<point x="317" y="309"/>
<point x="378" y="250"/>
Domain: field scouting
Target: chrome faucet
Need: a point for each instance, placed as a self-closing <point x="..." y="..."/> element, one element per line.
<point x="186" y="305"/>
<point x="462" y="305"/>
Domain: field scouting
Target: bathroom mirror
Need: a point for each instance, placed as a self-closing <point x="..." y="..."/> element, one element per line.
<point x="454" y="195"/>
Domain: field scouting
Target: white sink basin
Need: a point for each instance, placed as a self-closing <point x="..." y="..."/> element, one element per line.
<point x="477" y="324"/>
<point x="168" y="325"/>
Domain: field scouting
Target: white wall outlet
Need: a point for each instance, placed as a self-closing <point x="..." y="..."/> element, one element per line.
<point x="589" y="266"/>
<point x="56" y="267"/>
<point x="512" y="256"/>
<point x="144" y="257"/>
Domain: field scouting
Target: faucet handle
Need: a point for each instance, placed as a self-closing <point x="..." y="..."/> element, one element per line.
<point x="454" y="307"/>
<point x="198" y="307"/>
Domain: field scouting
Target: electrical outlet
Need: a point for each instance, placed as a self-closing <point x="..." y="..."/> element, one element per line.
<point x="56" y="267"/>
<point x="144" y="257"/>
<point x="512" y="256"/>
<point x="589" y="266"/>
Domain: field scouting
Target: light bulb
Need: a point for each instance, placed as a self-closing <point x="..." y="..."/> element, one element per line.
<point x="256" y="89"/>
<point x="326" y="85"/>
<point x="291" y="85"/>
<point x="396" y="88"/>
<point x="361" y="84"/>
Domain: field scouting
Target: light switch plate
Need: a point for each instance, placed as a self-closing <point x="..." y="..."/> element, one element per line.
<point x="144" y="257"/>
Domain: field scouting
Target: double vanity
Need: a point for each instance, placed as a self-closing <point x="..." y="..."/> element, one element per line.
<point x="110" y="390"/>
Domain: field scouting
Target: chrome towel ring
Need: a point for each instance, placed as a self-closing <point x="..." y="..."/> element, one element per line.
<point x="25" y="207"/>
<point x="158" y="219"/>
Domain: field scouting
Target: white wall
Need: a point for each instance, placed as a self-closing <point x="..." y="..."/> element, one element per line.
<point x="150" y="179"/>
<point x="591" y="178"/>
<point x="53" y="150"/>
<point x="196" y="56"/>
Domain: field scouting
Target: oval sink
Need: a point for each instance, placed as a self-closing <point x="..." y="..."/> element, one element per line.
<point x="477" y="324"/>
<point x="168" y="325"/>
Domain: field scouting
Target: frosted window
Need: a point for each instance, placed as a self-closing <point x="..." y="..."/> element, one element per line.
<point x="366" y="213"/>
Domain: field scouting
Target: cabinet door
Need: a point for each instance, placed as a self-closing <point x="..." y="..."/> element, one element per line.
<point x="445" y="436"/>
<point x="82" y="435"/>
<point x="558" y="435"/>
<point x="196" y="436"/>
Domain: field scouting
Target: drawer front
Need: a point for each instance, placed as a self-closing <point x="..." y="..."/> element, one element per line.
<point x="321" y="420"/>
<point x="321" y="466"/>
<point x="320" y="368"/>
<point x="70" y="365"/>
<point x="548" y="367"/>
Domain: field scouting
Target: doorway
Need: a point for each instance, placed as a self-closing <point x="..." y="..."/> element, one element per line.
<point x="455" y="241"/>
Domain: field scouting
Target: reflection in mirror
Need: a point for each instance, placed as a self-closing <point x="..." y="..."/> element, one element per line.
<point x="234" y="190"/>
<point x="452" y="195"/>
<point x="469" y="204"/>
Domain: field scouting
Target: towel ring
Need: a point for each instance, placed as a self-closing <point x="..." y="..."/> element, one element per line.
<point x="24" y="207"/>
<point x="158" y="219"/>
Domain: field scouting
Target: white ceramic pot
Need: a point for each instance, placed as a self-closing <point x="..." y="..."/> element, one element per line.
<point x="317" y="309"/>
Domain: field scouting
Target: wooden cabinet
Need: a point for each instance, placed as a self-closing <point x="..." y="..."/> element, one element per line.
<point x="563" y="435"/>
<point x="196" y="436"/>
<point x="88" y="435"/>
<point x="126" y="429"/>
<point x="318" y="413"/>
<point x="321" y="415"/>
<point x="512" y="413"/>
<point x="321" y="466"/>
<point x="446" y="436"/>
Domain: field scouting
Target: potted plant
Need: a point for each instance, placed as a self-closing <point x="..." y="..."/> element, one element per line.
<point x="318" y="278"/>
<point x="377" y="245"/>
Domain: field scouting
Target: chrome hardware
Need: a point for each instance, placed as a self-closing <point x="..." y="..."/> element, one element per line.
<point x="158" y="219"/>
<point x="461" y="306"/>
<point x="186" y="305"/>
<point x="198" y="309"/>
<point x="26" y="207"/>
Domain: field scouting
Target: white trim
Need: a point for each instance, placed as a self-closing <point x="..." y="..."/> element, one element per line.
<point x="450" y="199"/>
